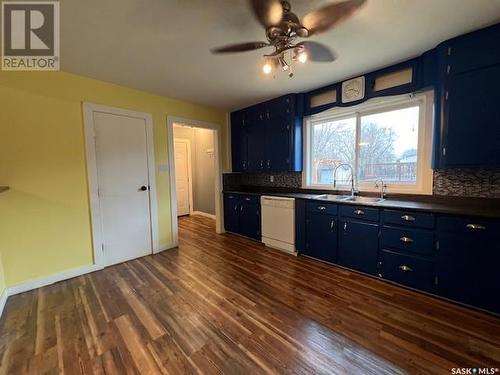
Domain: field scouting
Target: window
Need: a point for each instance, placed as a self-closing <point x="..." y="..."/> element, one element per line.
<point x="386" y="139"/>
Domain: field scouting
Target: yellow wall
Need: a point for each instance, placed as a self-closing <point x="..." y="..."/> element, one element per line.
<point x="44" y="221"/>
<point x="2" y="276"/>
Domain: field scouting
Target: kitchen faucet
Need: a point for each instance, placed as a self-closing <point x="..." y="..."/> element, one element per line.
<point x="380" y="183"/>
<point x="353" y="191"/>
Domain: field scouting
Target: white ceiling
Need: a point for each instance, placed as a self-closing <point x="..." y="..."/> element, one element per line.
<point x="162" y="46"/>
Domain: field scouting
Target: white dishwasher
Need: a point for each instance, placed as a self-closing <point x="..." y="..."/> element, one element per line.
<point x="278" y="223"/>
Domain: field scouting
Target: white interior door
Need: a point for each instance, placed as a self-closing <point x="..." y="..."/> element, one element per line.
<point x="123" y="180"/>
<point x="182" y="176"/>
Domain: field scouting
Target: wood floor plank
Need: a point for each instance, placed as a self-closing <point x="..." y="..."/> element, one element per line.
<point x="227" y="304"/>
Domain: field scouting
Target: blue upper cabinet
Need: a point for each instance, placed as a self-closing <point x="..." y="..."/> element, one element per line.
<point x="239" y="141"/>
<point x="467" y="97"/>
<point x="271" y="137"/>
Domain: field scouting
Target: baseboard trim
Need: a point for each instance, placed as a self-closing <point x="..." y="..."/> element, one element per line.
<point x="201" y="213"/>
<point x="3" y="300"/>
<point x="167" y="246"/>
<point x="52" y="279"/>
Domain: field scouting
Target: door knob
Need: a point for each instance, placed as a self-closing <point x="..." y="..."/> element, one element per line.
<point x="143" y="188"/>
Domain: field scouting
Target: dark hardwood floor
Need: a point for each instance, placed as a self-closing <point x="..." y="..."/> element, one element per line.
<point x="222" y="303"/>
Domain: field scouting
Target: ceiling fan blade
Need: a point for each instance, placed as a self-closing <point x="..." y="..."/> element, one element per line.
<point x="240" y="47"/>
<point x="268" y="12"/>
<point x="329" y="16"/>
<point x="318" y="52"/>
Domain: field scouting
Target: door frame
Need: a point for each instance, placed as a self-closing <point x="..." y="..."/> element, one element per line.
<point x="190" y="171"/>
<point x="91" y="158"/>
<point x="171" y="120"/>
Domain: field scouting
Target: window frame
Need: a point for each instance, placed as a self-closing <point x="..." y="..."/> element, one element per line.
<point x="424" y="181"/>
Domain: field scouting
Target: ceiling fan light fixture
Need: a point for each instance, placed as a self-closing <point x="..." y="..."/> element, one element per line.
<point x="267" y="68"/>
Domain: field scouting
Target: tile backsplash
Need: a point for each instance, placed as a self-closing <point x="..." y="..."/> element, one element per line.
<point x="477" y="183"/>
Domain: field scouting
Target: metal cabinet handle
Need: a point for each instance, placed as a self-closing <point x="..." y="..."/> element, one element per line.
<point x="261" y="164"/>
<point x="236" y="208"/>
<point x="379" y="265"/>
<point x="359" y="212"/>
<point x="475" y="226"/>
<point x="406" y="239"/>
<point x="268" y="115"/>
<point x="244" y="164"/>
<point x="345" y="227"/>
<point x="332" y="224"/>
<point x="241" y="208"/>
<point x="321" y="208"/>
<point x="407" y="218"/>
<point x="405" y="268"/>
<point x="248" y="199"/>
<point x="268" y="164"/>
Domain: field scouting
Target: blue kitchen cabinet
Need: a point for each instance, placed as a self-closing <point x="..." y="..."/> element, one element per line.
<point x="256" y="129"/>
<point x="231" y="212"/>
<point x="239" y="141"/>
<point x="468" y="259"/>
<point x="472" y="51"/>
<point x="413" y="271"/>
<point x="250" y="223"/>
<point x="273" y="136"/>
<point x="407" y="244"/>
<point x="321" y="231"/>
<point x="472" y="119"/>
<point x="242" y="214"/>
<point x="466" y="101"/>
<point x="358" y="245"/>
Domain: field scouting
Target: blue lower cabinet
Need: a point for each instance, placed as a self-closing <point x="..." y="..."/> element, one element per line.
<point x="321" y="236"/>
<point x="468" y="260"/>
<point x="407" y="270"/>
<point x="358" y="246"/>
<point x="231" y="212"/>
<point x="250" y="220"/>
<point x="242" y="215"/>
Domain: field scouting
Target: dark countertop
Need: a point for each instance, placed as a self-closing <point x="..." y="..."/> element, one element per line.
<point x="450" y="205"/>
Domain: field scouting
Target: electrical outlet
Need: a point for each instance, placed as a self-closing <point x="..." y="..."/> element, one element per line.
<point x="271" y="178"/>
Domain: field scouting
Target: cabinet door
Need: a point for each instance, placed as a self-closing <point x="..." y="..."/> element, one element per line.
<point x="231" y="213"/>
<point x="467" y="269"/>
<point x="472" y="119"/>
<point x="278" y="143"/>
<point x="321" y="236"/>
<point x="474" y="51"/>
<point x="256" y="135"/>
<point x="239" y="141"/>
<point x="250" y="220"/>
<point x="358" y="247"/>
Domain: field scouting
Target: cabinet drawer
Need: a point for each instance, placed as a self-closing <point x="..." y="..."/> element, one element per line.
<point x="407" y="270"/>
<point x="408" y="218"/>
<point x="360" y="212"/>
<point x="250" y="199"/>
<point x="326" y="208"/>
<point x="470" y="225"/>
<point x="408" y="240"/>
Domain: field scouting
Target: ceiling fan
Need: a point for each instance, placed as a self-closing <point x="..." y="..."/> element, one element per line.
<point x="283" y="28"/>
